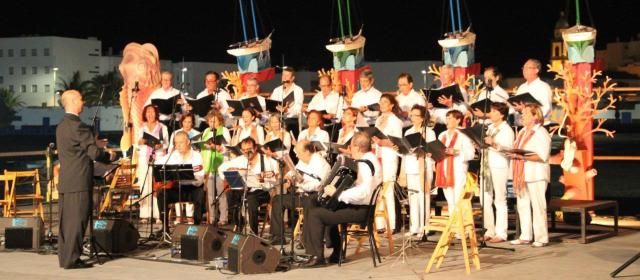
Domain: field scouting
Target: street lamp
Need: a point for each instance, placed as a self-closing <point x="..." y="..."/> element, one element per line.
<point x="424" y="78"/>
<point x="55" y="72"/>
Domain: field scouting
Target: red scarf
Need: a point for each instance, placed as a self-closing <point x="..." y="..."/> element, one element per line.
<point x="446" y="180"/>
<point x="518" y="164"/>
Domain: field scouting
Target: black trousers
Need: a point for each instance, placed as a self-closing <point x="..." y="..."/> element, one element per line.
<point x="319" y="218"/>
<point x="185" y="193"/>
<point x="289" y="201"/>
<point x="74" y="216"/>
<point x="254" y="200"/>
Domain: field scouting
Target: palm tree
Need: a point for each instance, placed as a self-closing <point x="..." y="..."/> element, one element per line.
<point x="111" y="83"/>
<point x="75" y="83"/>
<point x="10" y="103"/>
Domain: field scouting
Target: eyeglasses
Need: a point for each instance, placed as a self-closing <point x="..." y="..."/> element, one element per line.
<point x="246" y="151"/>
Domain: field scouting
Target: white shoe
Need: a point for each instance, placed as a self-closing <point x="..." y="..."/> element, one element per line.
<point x="519" y="242"/>
<point x="537" y="244"/>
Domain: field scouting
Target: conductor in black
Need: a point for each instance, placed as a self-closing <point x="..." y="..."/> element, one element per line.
<point x="77" y="149"/>
<point x="356" y="200"/>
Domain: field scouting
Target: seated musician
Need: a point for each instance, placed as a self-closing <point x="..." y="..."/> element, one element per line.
<point x="184" y="190"/>
<point x="312" y="169"/>
<point x="259" y="173"/>
<point x="354" y="210"/>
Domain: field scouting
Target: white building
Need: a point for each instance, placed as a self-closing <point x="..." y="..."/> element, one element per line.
<point x="27" y="65"/>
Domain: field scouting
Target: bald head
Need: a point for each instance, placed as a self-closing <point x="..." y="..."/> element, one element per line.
<point x="72" y="101"/>
<point x="361" y="142"/>
<point x="304" y="150"/>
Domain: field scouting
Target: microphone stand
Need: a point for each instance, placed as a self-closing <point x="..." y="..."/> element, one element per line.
<point x="483" y="178"/>
<point x="334" y="125"/>
<point x="48" y="248"/>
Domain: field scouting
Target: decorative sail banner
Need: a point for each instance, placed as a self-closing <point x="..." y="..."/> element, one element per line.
<point x="458" y="47"/>
<point x="252" y="54"/>
<point x="347" y="48"/>
<point x="580" y="41"/>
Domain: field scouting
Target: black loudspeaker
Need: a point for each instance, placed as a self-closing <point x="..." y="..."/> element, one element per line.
<point x="22" y="233"/>
<point x="115" y="236"/>
<point x="202" y="243"/>
<point x="249" y="254"/>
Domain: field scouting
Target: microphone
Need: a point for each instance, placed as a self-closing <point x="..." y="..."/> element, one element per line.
<point x="135" y="87"/>
<point x="488" y="85"/>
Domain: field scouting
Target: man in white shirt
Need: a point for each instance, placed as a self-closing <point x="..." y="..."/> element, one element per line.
<point x="407" y="97"/>
<point x="165" y="92"/>
<point x="540" y="90"/>
<point x="259" y="173"/>
<point x="447" y="79"/>
<point x="220" y="96"/>
<point x="280" y="93"/>
<point x="327" y="100"/>
<point x="252" y="89"/>
<point x="312" y="169"/>
<point x="367" y="95"/>
<point x="356" y="204"/>
<point x="183" y="190"/>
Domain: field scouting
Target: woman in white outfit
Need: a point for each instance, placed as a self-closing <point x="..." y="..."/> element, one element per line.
<point x="147" y="154"/>
<point x="418" y="168"/>
<point x="530" y="177"/>
<point x="389" y="124"/>
<point x="499" y="137"/>
<point x="451" y="172"/>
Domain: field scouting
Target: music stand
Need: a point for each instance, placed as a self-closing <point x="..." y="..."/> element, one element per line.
<point x="237" y="183"/>
<point x="171" y="172"/>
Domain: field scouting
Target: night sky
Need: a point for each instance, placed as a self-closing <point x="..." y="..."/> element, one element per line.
<point x="398" y="30"/>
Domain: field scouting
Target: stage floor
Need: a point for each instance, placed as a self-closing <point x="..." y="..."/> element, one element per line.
<point x="556" y="261"/>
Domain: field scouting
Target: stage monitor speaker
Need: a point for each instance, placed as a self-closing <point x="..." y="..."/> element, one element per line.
<point x="249" y="254"/>
<point x="115" y="236"/>
<point x="22" y="232"/>
<point x="202" y="243"/>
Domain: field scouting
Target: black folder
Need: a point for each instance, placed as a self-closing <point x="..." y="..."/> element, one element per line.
<point x="475" y="134"/>
<point x="436" y="149"/>
<point x="152" y="141"/>
<point x="373" y="107"/>
<point x="165" y="106"/>
<point x="409" y="143"/>
<point x="525" y="98"/>
<point x="275" y="145"/>
<point x="447" y="92"/>
<point x="483" y="105"/>
<point x="239" y="105"/>
<point x="234" y="150"/>
<point x="372" y="131"/>
<point x="287" y="101"/>
<point x="517" y="152"/>
<point x="217" y="140"/>
<point x="202" y="106"/>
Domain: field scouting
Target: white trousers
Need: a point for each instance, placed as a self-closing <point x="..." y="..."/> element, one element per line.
<point x="497" y="227"/>
<point x="452" y="195"/>
<point x="223" y="206"/>
<point x="146" y="189"/>
<point x="532" y="198"/>
<point x="419" y="203"/>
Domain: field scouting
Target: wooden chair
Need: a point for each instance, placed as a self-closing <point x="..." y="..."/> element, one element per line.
<point x="8" y="201"/>
<point x="35" y="196"/>
<point x="459" y="224"/>
<point x="361" y="231"/>
<point x="381" y="211"/>
<point x="122" y="182"/>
